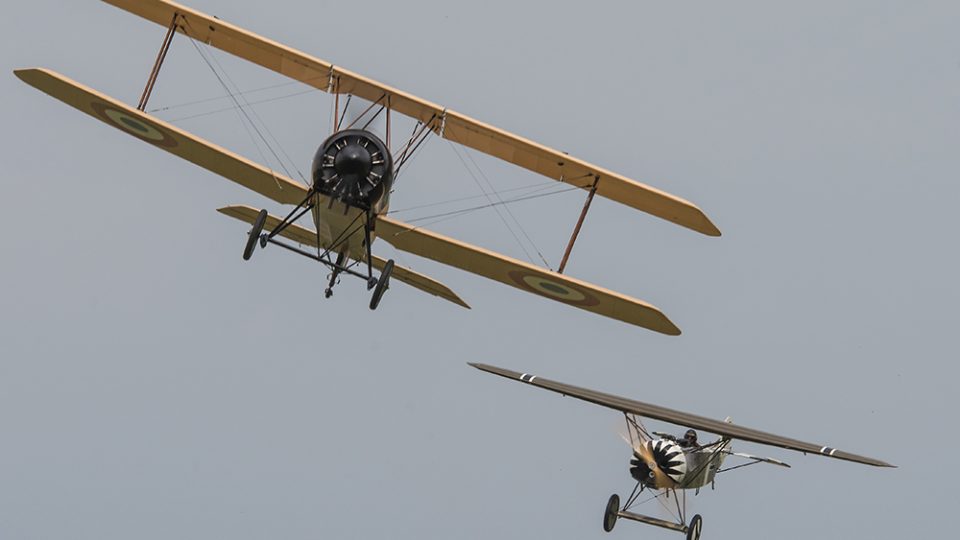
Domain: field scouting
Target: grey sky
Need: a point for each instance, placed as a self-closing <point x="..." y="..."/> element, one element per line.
<point x="154" y="386"/>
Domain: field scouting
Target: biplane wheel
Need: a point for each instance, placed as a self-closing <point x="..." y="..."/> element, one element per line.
<point x="382" y="284"/>
<point x="254" y="235"/>
<point x="610" y="514"/>
<point x="693" y="530"/>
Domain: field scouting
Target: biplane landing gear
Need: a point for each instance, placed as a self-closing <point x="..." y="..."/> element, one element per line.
<point x="255" y="235"/>
<point x="382" y="284"/>
<point x="610" y="515"/>
<point x="693" y="530"/>
<point x="341" y="258"/>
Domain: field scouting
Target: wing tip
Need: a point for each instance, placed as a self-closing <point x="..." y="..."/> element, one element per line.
<point x="27" y="75"/>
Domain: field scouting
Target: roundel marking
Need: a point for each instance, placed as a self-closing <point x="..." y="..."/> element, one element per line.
<point x="553" y="289"/>
<point x="133" y="125"/>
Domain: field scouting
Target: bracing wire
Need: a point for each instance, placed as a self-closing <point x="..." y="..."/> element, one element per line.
<point x="262" y="123"/>
<point x="507" y="208"/>
<point x="490" y="200"/>
<point x="240" y="112"/>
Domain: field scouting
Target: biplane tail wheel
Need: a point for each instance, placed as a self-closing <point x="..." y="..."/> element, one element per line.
<point x="610" y="514"/>
<point x="382" y="284"/>
<point x="254" y="235"/>
<point x="693" y="530"/>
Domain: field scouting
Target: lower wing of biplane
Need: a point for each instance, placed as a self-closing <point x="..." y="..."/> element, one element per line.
<point x="275" y="186"/>
<point x="669" y="465"/>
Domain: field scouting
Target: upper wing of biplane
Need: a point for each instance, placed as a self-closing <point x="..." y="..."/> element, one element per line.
<point x="449" y="124"/>
<point x="307" y="237"/>
<point x="664" y="414"/>
<point x="404" y="237"/>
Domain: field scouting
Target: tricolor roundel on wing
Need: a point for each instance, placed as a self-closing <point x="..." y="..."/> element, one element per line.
<point x="556" y="290"/>
<point x="133" y="125"/>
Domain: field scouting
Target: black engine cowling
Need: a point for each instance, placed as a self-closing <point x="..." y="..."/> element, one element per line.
<point x="353" y="166"/>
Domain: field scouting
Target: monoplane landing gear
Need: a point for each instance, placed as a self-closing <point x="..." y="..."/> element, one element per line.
<point x="382" y="284"/>
<point x="255" y="235"/>
<point x="693" y="530"/>
<point x="610" y="515"/>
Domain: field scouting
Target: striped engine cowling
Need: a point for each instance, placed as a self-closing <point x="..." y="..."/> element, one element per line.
<point x="669" y="459"/>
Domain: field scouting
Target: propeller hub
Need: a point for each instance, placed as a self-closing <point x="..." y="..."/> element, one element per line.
<point x="353" y="160"/>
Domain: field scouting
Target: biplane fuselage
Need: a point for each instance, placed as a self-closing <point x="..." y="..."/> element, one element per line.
<point x="352" y="175"/>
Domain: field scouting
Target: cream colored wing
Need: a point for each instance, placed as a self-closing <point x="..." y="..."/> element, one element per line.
<point x="449" y="124"/>
<point x="523" y="276"/>
<point x="165" y="136"/>
<point x="307" y="237"/>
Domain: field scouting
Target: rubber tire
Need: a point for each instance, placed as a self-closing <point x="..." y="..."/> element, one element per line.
<point x="693" y="530"/>
<point x="382" y="284"/>
<point x="254" y="235"/>
<point x="610" y="513"/>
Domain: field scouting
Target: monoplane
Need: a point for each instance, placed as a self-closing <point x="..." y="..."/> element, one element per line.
<point x="670" y="466"/>
<point x="353" y="173"/>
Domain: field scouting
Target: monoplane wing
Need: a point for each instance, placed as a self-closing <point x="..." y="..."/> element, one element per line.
<point x="523" y="276"/>
<point x="449" y="124"/>
<point x="664" y="414"/>
<point x="165" y="136"/>
<point x="305" y="236"/>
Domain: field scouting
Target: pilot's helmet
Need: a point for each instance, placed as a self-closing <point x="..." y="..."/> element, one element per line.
<point x="690" y="436"/>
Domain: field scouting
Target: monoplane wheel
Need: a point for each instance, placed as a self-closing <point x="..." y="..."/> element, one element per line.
<point x="382" y="284"/>
<point x="693" y="530"/>
<point x="254" y="235"/>
<point x="610" y="514"/>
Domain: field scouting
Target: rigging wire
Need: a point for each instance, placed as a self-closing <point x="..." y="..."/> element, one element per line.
<point x="507" y="208"/>
<point x="457" y="213"/>
<point x="258" y="102"/>
<point x="262" y="123"/>
<point x="539" y="186"/>
<point x="220" y="98"/>
<point x="490" y="200"/>
<point x="239" y="109"/>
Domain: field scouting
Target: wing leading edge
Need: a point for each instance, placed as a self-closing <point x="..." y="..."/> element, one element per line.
<point x="448" y="124"/>
<point x="664" y="414"/>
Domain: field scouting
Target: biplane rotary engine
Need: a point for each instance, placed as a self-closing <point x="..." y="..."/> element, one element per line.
<point x="354" y="166"/>
<point x="659" y="464"/>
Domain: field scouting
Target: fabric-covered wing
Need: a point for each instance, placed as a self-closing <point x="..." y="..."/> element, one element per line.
<point x="305" y="236"/>
<point x="449" y="124"/>
<point x="664" y="414"/>
<point x="524" y="276"/>
<point x="165" y="136"/>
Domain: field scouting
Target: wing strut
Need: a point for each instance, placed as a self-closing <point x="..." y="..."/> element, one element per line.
<point x="161" y="56"/>
<point x="576" y="229"/>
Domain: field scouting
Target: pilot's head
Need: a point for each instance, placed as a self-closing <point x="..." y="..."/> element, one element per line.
<point x="690" y="436"/>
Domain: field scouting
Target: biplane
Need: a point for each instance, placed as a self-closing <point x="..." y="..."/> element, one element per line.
<point x="354" y="170"/>
<point x="669" y="466"/>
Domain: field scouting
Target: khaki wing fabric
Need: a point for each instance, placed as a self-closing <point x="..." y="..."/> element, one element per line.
<point x="449" y="124"/>
<point x="523" y="276"/>
<point x="688" y="420"/>
<point x="305" y="236"/>
<point x="165" y="136"/>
